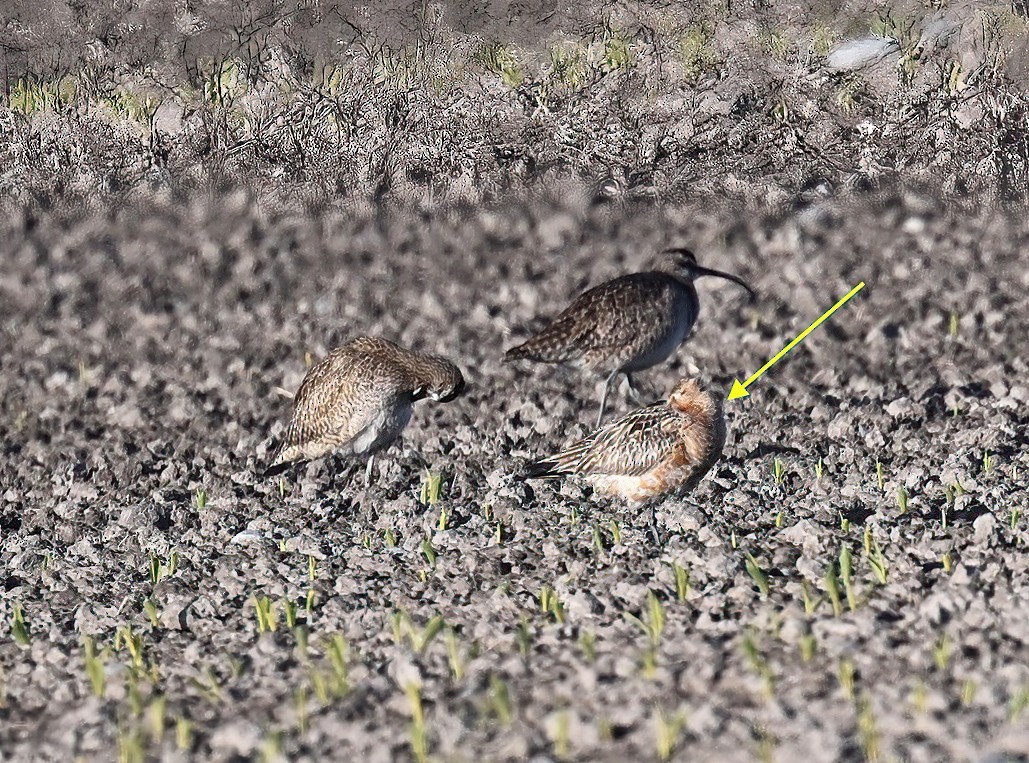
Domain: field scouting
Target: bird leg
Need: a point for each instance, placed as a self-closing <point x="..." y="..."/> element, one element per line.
<point x="603" y="398"/>
<point x="634" y="391"/>
<point x="652" y="523"/>
<point x="366" y="498"/>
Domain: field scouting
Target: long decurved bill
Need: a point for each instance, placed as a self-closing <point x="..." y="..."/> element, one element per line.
<point x="699" y="271"/>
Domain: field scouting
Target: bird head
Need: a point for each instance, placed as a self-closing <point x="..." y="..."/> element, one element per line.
<point x="682" y="263"/>
<point x="688" y="397"/>
<point x="442" y="382"/>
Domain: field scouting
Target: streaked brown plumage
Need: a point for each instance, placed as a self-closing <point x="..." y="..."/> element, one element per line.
<point x="627" y="324"/>
<point x="358" y="399"/>
<point x="664" y="447"/>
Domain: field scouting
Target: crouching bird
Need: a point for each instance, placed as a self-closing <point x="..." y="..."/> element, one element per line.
<point x="662" y="448"/>
<point x="627" y="324"/>
<point x="358" y="399"/>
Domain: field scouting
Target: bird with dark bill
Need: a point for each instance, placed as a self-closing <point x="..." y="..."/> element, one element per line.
<point x="663" y="448"/>
<point x="627" y="324"/>
<point x="358" y="399"/>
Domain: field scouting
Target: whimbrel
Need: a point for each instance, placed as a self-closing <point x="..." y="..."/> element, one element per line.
<point x="651" y="451"/>
<point x="627" y="324"/>
<point x="358" y="399"/>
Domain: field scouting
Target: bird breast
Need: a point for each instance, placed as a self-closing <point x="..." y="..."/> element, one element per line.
<point x="670" y="333"/>
<point x="383" y="429"/>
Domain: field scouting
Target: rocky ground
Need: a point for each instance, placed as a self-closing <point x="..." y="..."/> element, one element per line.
<point x="850" y="581"/>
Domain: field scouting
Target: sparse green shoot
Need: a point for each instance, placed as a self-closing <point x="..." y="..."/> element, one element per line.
<point x="419" y="637"/>
<point x="429" y="552"/>
<point x="682" y="581"/>
<point x="95" y="668"/>
<point x="847" y="574"/>
<point x="267" y="618"/>
<point x="877" y="561"/>
<point x="758" y="663"/>
<point x="550" y="603"/>
<point x="500" y="700"/>
<point x="668" y="729"/>
<point x="19" y="628"/>
<point x="588" y="644"/>
<point x="902" y="500"/>
<point x="150" y="610"/>
<point x="832" y="588"/>
<point x="941" y="652"/>
<point x="419" y="736"/>
<point x="200" y="498"/>
<point x="432" y="488"/>
<point x="989" y="461"/>
<point x="454" y="656"/>
<point x="758" y="575"/>
<point x="868" y="732"/>
<point x="559" y="734"/>
<point x="968" y="692"/>
<point x="845" y="674"/>
<point x="808" y="646"/>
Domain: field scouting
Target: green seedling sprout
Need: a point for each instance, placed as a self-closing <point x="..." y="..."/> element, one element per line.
<point x="432" y="488"/>
<point x="429" y="552"/>
<point x="808" y="646"/>
<point x="183" y="734"/>
<point x="877" y="562"/>
<point x="500" y="700"/>
<point x="758" y="663"/>
<point x="668" y="729"/>
<point x="758" y="575"/>
<point x="559" y="735"/>
<point x="845" y="673"/>
<point x="150" y="610"/>
<point x="867" y="729"/>
<point x="847" y="573"/>
<point x="550" y="603"/>
<point x="902" y="500"/>
<point x="810" y="602"/>
<point x="682" y="581"/>
<point x="419" y="736"/>
<point x="968" y="692"/>
<point x="588" y="644"/>
<point x="941" y="652"/>
<point x="454" y="657"/>
<point x="19" y="629"/>
<point x="832" y="588"/>
<point x="95" y="669"/>
<point x="267" y="618"/>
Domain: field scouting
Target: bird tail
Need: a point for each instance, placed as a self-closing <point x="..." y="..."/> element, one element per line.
<point x="517" y="353"/>
<point x="543" y="469"/>
<point x="276" y="469"/>
<point x="567" y="461"/>
<point x="285" y="457"/>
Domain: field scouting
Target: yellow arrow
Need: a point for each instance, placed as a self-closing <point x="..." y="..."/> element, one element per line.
<point x="740" y="389"/>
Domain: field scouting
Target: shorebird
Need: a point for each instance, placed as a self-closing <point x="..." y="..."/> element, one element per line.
<point x="627" y="324"/>
<point x="358" y="399"/>
<point x="658" y="449"/>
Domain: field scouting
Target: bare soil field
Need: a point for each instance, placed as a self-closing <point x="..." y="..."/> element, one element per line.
<point x="848" y="583"/>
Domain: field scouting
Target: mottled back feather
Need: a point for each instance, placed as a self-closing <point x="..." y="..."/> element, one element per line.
<point x="613" y="321"/>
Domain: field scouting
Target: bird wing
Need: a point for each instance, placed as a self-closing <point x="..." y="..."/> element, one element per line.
<point x="630" y="446"/>
<point x="607" y="316"/>
<point x="331" y="406"/>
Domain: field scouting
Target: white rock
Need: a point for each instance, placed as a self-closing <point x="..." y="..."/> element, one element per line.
<point x="858" y="54"/>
